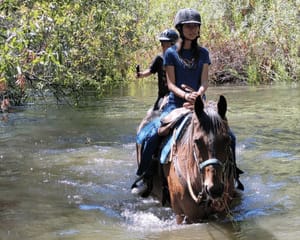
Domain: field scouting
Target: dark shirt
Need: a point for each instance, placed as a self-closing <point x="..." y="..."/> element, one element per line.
<point x="157" y="67"/>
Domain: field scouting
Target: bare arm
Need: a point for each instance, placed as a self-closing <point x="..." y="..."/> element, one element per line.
<point x="191" y="96"/>
<point x="143" y="74"/>
<point x="170" y="73"/>
<point x="204" y="80"/>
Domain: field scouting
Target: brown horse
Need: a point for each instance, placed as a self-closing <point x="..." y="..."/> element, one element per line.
<point x="200" y="172"/>
<point x="201" y="169"/>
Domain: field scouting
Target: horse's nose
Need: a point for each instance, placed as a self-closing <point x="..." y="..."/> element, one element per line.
<point x="215" y="191"/>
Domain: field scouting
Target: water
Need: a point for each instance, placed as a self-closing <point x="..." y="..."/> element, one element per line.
<point x="66" y="173"/>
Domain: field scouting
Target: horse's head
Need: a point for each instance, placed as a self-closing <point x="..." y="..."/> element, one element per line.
<point x="211" y="145"/>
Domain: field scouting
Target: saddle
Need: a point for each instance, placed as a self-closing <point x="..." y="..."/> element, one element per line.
<point x="169" y="121"/>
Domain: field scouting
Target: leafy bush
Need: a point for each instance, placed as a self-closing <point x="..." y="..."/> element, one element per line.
<point x="66" y="47"/>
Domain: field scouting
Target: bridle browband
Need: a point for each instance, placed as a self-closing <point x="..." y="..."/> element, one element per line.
<point x="208" y="162"/>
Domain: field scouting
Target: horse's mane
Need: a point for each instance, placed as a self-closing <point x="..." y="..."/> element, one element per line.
<point x="210" y="121"/>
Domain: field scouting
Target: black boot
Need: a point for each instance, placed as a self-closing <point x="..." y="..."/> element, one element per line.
<point x="142" y="186"/>
<point x="237" y="171"/>
<point x="237" y="178"/>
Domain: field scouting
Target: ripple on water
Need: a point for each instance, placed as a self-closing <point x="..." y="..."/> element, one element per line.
<point x="261" y="199"/>
<point x="109" y="212"/>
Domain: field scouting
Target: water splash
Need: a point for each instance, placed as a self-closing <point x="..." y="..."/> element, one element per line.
<point x="147" y="221"/>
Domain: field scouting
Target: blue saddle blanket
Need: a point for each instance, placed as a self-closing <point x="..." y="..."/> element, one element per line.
<point x="172" y="138"/>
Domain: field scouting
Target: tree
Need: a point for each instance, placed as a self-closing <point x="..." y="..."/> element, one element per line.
<point x="65" y="46"/>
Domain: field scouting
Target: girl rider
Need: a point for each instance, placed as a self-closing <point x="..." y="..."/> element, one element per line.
<point x="186" y="63"/>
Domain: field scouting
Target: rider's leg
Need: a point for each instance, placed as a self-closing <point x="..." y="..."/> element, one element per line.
<point x="149" y="149"/>
<point x="150" y="140"/>
<point x="147" y="166"/>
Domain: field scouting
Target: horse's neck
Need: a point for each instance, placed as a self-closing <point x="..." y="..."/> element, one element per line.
<point x="189" y="162"/>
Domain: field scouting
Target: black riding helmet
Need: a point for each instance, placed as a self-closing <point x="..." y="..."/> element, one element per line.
<point x="186" y="15"/>
<point x="168" y="35"/>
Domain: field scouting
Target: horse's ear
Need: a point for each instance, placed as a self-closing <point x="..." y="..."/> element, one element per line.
<point x="222" y="106"/>
<point x="199" y="106"/>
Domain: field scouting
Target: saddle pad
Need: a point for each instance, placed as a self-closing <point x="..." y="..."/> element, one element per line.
<point x="165" y="152"/>
<point x="170" y="120"/>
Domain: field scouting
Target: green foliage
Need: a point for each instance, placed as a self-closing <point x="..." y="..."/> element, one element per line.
<point x="272" y="40"/>
<point x="69" y="46"/>
<point x="253" y="74"/>
<point x="249" y="41"/>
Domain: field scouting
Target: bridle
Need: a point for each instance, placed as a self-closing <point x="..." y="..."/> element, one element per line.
<point x="201" y="197"/>
<point x="201" y="165"/>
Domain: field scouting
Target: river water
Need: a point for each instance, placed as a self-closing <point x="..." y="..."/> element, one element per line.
<point x="65" y="173"/>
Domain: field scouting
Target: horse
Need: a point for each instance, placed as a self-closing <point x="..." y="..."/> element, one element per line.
<point x="200" y="171"/>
